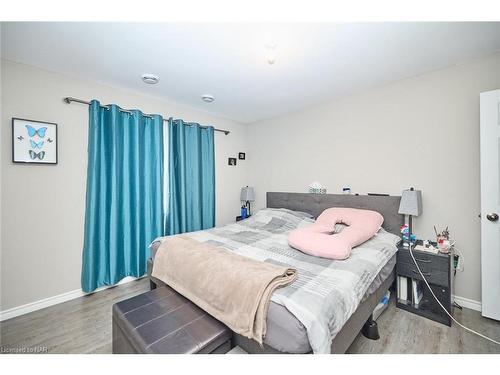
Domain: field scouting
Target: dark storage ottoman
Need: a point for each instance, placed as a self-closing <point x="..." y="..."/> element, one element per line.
<point x="163" y="321"/>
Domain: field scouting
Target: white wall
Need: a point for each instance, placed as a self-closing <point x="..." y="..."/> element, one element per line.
<point x="43" y="206"/>
<point x="421" y="132"/>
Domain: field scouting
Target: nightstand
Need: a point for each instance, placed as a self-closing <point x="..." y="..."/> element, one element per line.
<point x="437" y="269"/>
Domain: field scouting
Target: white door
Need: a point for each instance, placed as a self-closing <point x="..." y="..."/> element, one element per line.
<point x="490" y="203"/>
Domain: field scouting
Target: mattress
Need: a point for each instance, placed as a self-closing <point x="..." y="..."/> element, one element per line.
<point x="285" y="332"/>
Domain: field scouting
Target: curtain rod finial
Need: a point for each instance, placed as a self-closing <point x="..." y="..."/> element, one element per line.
<point x="66" y="100"/>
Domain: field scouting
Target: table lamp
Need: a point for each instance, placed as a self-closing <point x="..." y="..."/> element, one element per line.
<point x="411" y="205"/>
<point x="247" y="195"/>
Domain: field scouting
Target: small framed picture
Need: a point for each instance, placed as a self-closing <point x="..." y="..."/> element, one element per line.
<point x="231" y="161"/>
<point x="34" y="142"/>
<point x="241" y="156"/>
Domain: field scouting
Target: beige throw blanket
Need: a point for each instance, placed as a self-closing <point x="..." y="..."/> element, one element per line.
<point x="232" y="288"/>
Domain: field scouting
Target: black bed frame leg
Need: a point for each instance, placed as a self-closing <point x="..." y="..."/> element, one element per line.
<point x="370" y="329"/>
<point x="152" y="285"/>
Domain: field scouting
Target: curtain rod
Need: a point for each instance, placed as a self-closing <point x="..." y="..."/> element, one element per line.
<point x="69" y="99"/>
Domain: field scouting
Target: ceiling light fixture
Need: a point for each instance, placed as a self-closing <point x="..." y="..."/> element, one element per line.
<point x="150" y="79"/>
<point x="271" y="53"/>
<point x="207" y="98"/>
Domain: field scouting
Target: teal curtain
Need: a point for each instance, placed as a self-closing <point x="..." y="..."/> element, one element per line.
<point x="124" y="207"/>
<point x="191" y="176"/>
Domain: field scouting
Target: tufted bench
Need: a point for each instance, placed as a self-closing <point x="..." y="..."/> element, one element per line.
<point x="162" y="321"/>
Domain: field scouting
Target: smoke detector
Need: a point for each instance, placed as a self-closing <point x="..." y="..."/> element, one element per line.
<point x="150" y="79"/>
<point x="207" y="98"/>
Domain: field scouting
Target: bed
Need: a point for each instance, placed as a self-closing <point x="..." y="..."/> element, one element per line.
<point x="286" y="333"/>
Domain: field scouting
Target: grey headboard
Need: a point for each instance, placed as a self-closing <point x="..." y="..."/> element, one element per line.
<point x="314" y="204"/>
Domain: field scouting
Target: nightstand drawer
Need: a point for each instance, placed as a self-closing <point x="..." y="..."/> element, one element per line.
<point x="429" y="261"/>
<point x="431" y="275"/>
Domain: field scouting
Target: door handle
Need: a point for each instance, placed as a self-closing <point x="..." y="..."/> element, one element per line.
<point x="492" y="217"/>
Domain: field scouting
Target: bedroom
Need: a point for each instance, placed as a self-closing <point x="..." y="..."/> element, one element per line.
<point x="305" y="154"/>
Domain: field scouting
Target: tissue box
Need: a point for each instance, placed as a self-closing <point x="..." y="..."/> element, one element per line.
<point x="314" y="190"/>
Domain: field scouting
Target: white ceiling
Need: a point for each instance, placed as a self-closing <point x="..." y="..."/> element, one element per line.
<point x="315" y="62"/>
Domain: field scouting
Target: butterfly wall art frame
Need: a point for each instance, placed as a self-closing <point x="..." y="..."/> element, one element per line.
<point x="34" y="142"/>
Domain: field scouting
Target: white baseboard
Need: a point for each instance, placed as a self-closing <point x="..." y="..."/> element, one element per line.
<point x="468" y="303"/>
<point x="51" y="301"/>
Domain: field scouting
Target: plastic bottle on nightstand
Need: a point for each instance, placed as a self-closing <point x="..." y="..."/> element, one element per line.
<point x="243" y="212"/>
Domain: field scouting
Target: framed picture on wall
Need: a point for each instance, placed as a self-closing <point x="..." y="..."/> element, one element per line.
<point x="34" y="142"/>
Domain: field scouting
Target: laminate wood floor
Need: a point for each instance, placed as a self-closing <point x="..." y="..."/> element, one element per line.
<point x="402" y="332"/>
<point x="83" y="325"/>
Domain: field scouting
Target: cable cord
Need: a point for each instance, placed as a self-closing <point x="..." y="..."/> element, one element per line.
<point x="446" y="311"/>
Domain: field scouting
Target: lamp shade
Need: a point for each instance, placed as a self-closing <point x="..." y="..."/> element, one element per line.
<point x="247" y="194"/>
<point x="411" y="202"/>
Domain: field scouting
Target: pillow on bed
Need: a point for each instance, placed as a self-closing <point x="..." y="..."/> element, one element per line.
<point x="267" y="214"/>
<point x="277" y="220"/>
<point x="323" y="238"/>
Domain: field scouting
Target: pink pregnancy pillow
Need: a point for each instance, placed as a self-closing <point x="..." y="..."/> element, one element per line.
<point x="318" y="239"/>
